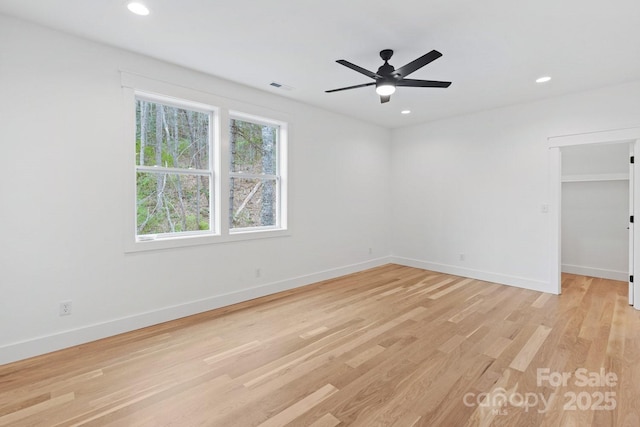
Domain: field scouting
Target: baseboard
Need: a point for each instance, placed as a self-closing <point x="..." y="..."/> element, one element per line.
<point x="503" y="279"/>
<point x="46" y="344"/>
<point x="603" y="273"/>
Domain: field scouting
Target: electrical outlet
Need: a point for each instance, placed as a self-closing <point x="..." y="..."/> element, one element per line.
<point x="461" y="257"/>
<point x="370" y="251"/>
<point x="258" y="272"/>
<point x="65" y="308"/>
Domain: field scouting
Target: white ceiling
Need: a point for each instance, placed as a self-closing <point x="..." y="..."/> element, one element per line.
<point x="493" y="50"/>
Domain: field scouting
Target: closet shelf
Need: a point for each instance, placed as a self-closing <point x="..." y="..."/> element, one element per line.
<point x="596" y="177"/>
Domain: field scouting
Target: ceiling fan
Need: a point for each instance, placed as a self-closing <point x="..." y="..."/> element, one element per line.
<point x="388" y="78"/>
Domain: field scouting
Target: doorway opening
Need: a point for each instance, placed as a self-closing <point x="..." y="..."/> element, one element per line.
<point x="595" y="233"/>
<point x="571" y="145"/>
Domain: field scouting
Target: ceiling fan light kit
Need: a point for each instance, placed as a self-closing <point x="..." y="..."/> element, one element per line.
<point x="388" y="78"/>
<point x="385" y="88"/>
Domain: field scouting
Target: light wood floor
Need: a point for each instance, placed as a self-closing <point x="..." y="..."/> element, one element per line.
<point x="391" y="346"/>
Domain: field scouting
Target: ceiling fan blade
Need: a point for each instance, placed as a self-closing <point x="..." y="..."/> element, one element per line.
<point x="422" y="83"/>
<point x="350" y="87"/>
<point x="418" y="63"/>
<point x="384" y="99"/>
<point x="359" y="69"/>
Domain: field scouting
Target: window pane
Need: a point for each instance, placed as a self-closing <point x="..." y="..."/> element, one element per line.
<point x="253" y="147"/>
<point x="168" y="203"/>
<point x="171" y="136"/>
<point x="254" y="202"/>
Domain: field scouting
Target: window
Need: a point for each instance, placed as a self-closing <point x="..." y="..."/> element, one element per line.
<point x="174" y="174"/>
<point x="255" y="181"/>
<point x="203" y="172"/>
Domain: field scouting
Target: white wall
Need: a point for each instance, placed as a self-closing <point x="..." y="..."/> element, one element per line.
<point x="476" y="184"/>
<point x="595" y="239"/>
<point x="64" y="163"/>
<point x="595" y="210"/>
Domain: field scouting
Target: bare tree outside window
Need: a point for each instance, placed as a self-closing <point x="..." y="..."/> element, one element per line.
<point x="253" y="198"/>
<point x="173" y="176"/>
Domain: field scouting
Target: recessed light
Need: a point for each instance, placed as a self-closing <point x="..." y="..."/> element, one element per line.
<point x="405" y="112"/>
<point x="138" y="8"/>
<point x="543" y="79"/>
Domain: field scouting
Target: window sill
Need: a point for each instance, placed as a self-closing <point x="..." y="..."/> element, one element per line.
<point x="143" y="245"/>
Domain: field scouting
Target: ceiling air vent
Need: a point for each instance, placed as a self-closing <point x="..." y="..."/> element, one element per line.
<point x="280" y="86"/>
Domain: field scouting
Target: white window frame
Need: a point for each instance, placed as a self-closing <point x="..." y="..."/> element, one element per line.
<point x="135" y="85"/>
<point x="279" y="177"/>
<point x="210" y="172"/>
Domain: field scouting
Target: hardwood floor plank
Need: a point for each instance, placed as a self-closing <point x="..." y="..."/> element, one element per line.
<point x="464" y="313"/>
<point x="314" y="332"/>
<point x="14" y="418"/>
<point x="496" y="348"/>
<point x="294" y="411"/>
<point x="439" y="285"/>
<point x="450" y="289"/>
<point x="522" y="360"/>
<point x="365" y="355"/>
<point x="541" y="300"/>
<point x="232" y="352"/>
<point x="327" y="420"/>
<point x="452" y="344"/>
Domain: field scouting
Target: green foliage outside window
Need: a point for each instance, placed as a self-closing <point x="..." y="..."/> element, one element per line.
<point x="253" y="200"/>
<point x="171" y="137"/>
